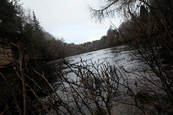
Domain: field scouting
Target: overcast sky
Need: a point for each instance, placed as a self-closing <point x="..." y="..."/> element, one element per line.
<point x="69" y="19"/>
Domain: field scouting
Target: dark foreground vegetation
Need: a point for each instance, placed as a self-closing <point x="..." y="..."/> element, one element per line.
<point x="30" y="86"/>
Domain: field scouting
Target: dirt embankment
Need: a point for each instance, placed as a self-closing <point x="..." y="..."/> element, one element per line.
<point x="6" y="56"/>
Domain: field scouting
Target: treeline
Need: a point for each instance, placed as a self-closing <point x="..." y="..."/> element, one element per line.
<point x="21" y="27"/>
<point x="111" y="39"/>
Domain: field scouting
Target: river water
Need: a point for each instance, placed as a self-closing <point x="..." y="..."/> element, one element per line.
<point x="120" y="56"/>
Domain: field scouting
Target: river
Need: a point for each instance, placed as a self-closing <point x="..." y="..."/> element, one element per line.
<point x="122" y="57"/>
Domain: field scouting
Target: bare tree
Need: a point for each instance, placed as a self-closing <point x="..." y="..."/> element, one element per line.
<point x="148" y="28"/>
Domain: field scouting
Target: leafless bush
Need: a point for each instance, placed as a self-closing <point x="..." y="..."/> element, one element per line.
<point x="97" y="88"/>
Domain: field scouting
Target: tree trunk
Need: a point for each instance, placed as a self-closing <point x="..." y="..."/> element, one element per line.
<point x="21" y="61"/>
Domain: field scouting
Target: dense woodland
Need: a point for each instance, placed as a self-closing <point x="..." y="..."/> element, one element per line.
<point x="21" y="26"/>
<point x="147" y="27"/>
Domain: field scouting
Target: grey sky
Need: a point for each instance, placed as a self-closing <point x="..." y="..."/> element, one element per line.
<point x="69" y="19"/>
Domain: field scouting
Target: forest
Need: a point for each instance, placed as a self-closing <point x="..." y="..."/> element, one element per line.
<point x="29" y="85"/>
